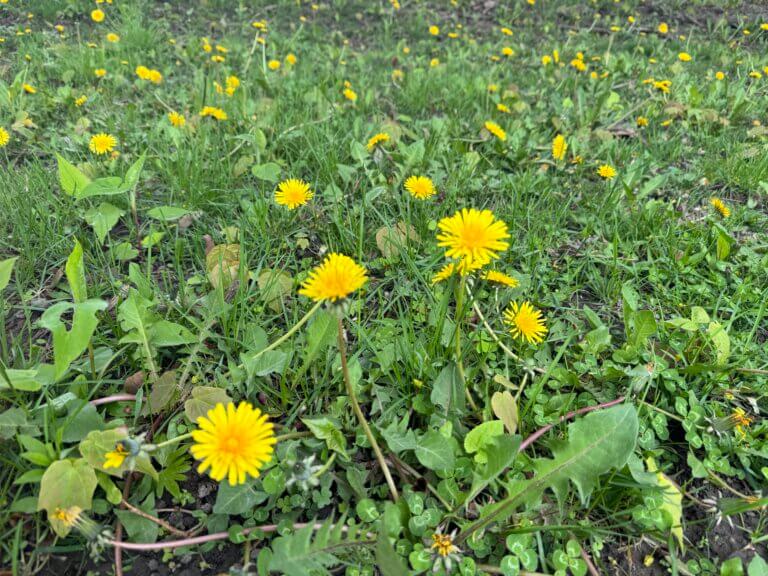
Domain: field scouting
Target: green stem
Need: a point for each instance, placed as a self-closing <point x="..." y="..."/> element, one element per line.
<point x="459" y="361"/>
<point x="92" y="360"/>
<point x="170" y="442"/>
<point x="288" y="334"/>
<point x="292" y="436"/>
<point x="325" y="467"/>
<point x="359" y="413"/>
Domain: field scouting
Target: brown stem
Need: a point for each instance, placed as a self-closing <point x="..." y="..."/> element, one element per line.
<point x="154" y="519"/>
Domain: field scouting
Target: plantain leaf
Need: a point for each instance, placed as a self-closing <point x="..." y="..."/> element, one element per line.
<point x="75" y="271"/>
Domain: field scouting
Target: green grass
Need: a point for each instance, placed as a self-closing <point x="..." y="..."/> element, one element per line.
<point x="593" y="255"/>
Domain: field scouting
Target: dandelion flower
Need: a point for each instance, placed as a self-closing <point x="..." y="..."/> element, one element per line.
<point x="350" y="94"/>
<point x="293" y="193"/>
<point x="434" y="63"/>
<point x="525" y="322"/>
<point x="507" y="51"/>
<point x="377" y="139"/>
<point x="719" y="75"/>
<point x="291" y="59"/>
<point x="500" y="278"/>
<point x="503" y="108"/>
<point x="116" y="457"/>
<point x="663" y="28"/>
<point x="102" y="143"/>
<point x="642" y="121"/>
<point x="496" y="130"/>
<point x="474" y="237"/>
<point x="720" y="206"/>
<point x="445" y="272"/>
<point x="177" y="119"/>
<point x="559" y="147"/>
<point x="233" y="442"/>
<point x="273" y="64"/>
<point x="606" y="172"/>
<point x="113" y="38"/>
<point x="740" y="421"/>
<point x="97" y="15"/>
<point x="420" y="187"/>
<point x="81" y="100"/>
<point x="4" y="137"/>
<point x="443" y="545"/>
<point x="662" y="85"/>
<point x="434" y="30"/>
<point x="29" y="89"/>
<point x="684" y="57"/>
<point x="213" y="112"/>
<point x="336" y="278"/>
<point x="100" y="72"/>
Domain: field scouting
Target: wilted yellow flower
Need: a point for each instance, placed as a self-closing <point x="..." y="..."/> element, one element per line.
<point x="177" y="119"/>
<point x="507" y="32"/>
<point x="233" y="442"/>
<point x="442" y="544"/>
<point x="377" y="139"/>
<point x="116" y="457"/>
<point x="496" y="130"/>
<point x="525" y="322"/>
<point x="420" y="187"/>
<point x="97" y="15"/>
<point x="559" y="147"/>
<point x="336" y="278"/>
<point x="102" y="143"/>
<point x="397" y="75"/>
<point x="720" y="206"/>
<point x="213" y="112"/>
<point x="502" y="108"/>
<point x="642" y="121"/>
<point x="473" y="237"/>
<point x="662" y="85"/>
<point x="293" y="193"/>
<point x="606" y="171"/>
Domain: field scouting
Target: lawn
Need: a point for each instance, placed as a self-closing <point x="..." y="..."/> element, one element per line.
<point x="375" y="287"/>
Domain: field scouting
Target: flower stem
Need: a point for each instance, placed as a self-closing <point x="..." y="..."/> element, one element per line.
<point x="170" y="442"/>
<point x="359" y="413"/>
<point x="459" y="361"/>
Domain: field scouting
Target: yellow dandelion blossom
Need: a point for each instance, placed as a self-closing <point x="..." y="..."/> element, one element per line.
<point x="336" y="278"/>
<point x="606" y="172"/>
<point x="500" y="278"/>
<point x="29" y="89"/>
<point x="503" y="108"/>
<point x="100" y="72"/>
<point x="642" y="121"/>
<point x="507" y="51"/>
<point x="213" y="112"/>
<point x="377" y="139"/>
<point x="525" y="322"/>
<point x="293" y="193"/>
<point x="273" y="64"/>
<point x="81" y="100"/>
<point x="662" y="85"/>
<point x="559" y="147"/>
<point x="177" y="119"/>
<point x="740" y="421"/>
<point x="233" y="443"/>
<point x="102" y="143"/>
<point x="4" y="137"/>
<point x="720" y="206"/>
<point x="116" y="457"/>
<point x="434" y="63"/>
<point x="496" y="130"/>
<point x="684" y="57"/>
<point x="350" y="94"/>
<point x="473" y="237"/>
<point x="420" y="187"/>
<point x="719" y="75"/>
<point x="663" y="28"/>
<point x="445" y="272"/>
<point x="97" y="15"/>
<point x="443" y="545"/>
<point x="291" y="59"/>
<point x="113" y="38"/>
<point x="434" y="30"/>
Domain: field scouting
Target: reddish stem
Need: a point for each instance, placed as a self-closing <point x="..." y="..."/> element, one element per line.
<point x="541" y="431"/>
<point x="114" y="398"/>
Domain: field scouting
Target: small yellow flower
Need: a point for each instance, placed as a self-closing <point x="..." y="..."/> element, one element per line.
<point x="434" y="30"/>
<point x="420" y="187"/>
<point x="213" y="112"/>
<point x="642" y="121"/>
<point x="445" y="272"/>
<point x="100" y="72"/>
<point x="507" y="51"/>
<point x="443" y="543"/>
<point x="155" y="77"/>
<point x="177" y="119"/>
<point x="719" y="75"/>
<point x="684" y="57"/>
<point x="336" y="278"/>
<point x="434" y="63"/>
<point x="81" y="100"/>
<point x="606" y="172"/>
<point x="291" y="59"/>
<point x="500" y="278"/>
<point x="29" y="89"/>
<point x="233" y="443"/>
<point x="67" y="516"/>
<point x="293" y="193"/>
<point x="273" y="64"/>
<point x="663" y="28"/>
<point x="546" y="60"/>
<point x="559" y="147"/>
<point x="662" y="85"/>
<point x="397" y="75"/>
<point x="720" y="206"/>
<point x="4" y="137"/>
<point x="496" y="130"/>
<point x="97" y="15"/>
<point x="59" y="28"/>
<point x="377" y="139"/>
<point x="740" y="421"/>
<point x="525" y="322"/>
<point x="473" y="237"/>
<point x="492" y="88"/>
<point x="102" y="143"/>
<point x="755" y="74"/>
<point x="116" y="458"/>
<point x="503" y="108"/>
<point x="507" y="32"/>
<point x="350" y="94"/>
<point x="113" y="38"/>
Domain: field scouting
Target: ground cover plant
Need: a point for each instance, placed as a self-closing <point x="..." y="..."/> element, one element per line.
<point x="383" y="287"/>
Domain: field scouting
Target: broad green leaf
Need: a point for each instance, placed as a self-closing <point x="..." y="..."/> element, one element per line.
<point x="328" y="429"/>
<point x="321" y="333"/>
<point x="81" y="418"/>
<point x="167" y="213"/>
<point x="69" y="345"/>
<point x="757" y="567"/>
<point x="672" y="504"/>
<point x="6" y="267"/>
<point x="204" y="398"/>
<point x="102" y="219"/>
<point x="109" y="186"/>
<point x="275" y="285"/>
<point x="71" y="179"/>
<point x="11" y="421"/>
<point x="29" y="380"/>
<point x="732" y="567"/>
<point x="699" y="315"/>
<point x="133" y="173"/>
<point x="139" y="528"/>
<point x="164" y="390"/>
<point x="95" y="446"/>
<point x="165" y="333"/>
<point x="480" y="436"/>
<point x="720" y="340"/>
<point x="644" y="327"/>
<point x="269" y="172"/>
<point x="66" y="484"/>
<point x="500" y="453"/>
<point x="238" y="500"/>
<point x="448" y="390"/>
<point x="434" y="452"/>
<point x="399" y="437"/>
<point x="269" y="362"/>
<point x="505" y="409"/>
<point x="75" y="271"/>
<point x="391" y="241"/>
<point x="298" y="554"/>
<point x="387" y="560"/>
